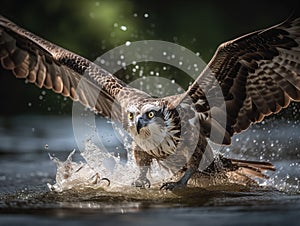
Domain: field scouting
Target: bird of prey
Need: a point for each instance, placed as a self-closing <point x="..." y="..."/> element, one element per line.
<point x="258" y="75"/>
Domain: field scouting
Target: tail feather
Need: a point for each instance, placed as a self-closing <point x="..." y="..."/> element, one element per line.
<point x="249" y="168"/>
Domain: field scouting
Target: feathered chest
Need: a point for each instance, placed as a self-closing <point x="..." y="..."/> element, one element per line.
<point x="159" y="144"/>
<point x="163" y="138"/>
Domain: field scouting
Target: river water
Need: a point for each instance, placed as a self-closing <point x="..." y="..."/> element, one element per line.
<point x="25" y="170"/>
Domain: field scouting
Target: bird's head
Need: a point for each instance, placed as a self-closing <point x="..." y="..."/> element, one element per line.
<point x="152" y="124"/>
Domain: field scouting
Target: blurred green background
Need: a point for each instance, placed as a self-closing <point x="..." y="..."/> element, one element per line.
<point x="91" y="28"/>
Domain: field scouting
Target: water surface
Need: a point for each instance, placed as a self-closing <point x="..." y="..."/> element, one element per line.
<point x="25" y="170"/>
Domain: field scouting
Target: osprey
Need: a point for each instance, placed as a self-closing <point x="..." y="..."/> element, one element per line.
<point x="258" y="75"/>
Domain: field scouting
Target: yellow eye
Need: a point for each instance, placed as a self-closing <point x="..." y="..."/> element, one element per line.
<point x="150" y="114"/>
<point x="130" y="115"/>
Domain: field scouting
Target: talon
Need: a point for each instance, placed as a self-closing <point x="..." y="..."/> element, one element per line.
<point x="142" y="183"/>
<point x="172" y="186"/>
<point x="106" y="179"/>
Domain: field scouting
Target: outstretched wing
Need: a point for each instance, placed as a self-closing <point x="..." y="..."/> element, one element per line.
<point x="259" y="74"/>
<point x="28" y="56"/>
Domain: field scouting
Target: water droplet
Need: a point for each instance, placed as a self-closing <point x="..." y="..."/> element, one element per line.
<point x="123" y="28"/>
<point x="146" y="15"/>
<point x="141" y="73"/>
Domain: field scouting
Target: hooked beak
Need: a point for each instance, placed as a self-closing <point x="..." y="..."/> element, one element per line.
<point x="140" y="124"/>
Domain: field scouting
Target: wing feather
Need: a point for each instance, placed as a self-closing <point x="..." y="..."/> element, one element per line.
<point x="28" y="56"/>
<point x="259" y="74"/>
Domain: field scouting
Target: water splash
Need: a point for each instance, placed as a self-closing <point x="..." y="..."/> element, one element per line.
<point x="102" y="164"/>
<point x="74" y="175"/>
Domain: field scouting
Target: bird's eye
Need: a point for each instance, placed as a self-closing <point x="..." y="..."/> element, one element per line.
<point x="150" y="114"/>
<point x="130" y="115"/>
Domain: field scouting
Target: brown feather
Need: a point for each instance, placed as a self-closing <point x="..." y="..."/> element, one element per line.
<point x="259" y="74"/>
<point x="26" y="55"/>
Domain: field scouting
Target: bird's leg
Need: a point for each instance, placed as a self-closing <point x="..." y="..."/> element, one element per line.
<point x="143" y="160"/>
<point x="181" y="183"/>
<point x="191" y="167"/>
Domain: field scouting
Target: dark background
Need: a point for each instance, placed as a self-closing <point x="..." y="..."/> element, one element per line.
<point x="91" y="28"/>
